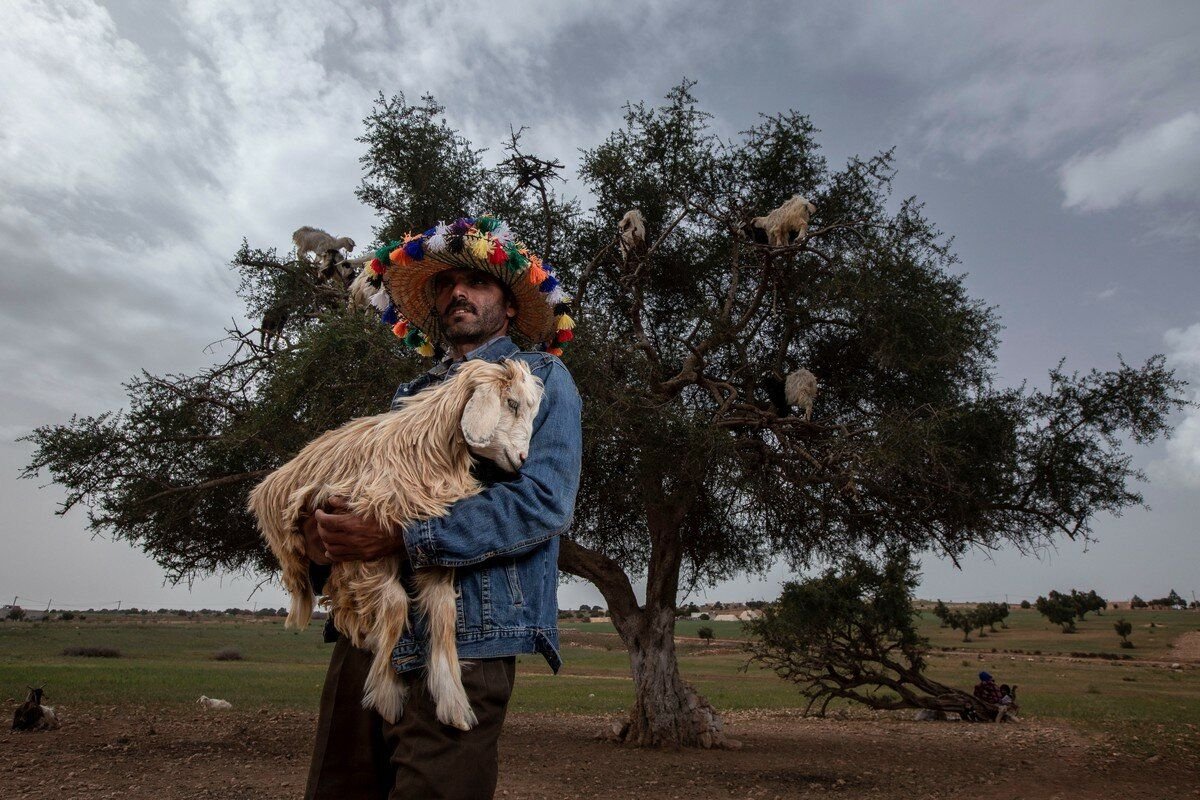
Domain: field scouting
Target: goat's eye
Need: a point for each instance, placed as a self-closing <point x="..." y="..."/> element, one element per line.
<point x="514" y="405"/>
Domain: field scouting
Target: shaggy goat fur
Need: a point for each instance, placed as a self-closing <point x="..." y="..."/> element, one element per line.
<point x="790" y="219"/>
<point x="214" y="703"/>
<point x="633" y="232"/>
<point x="317" y="242"/>
<point x="801" y="390"/>
<point x="394" y="468"/>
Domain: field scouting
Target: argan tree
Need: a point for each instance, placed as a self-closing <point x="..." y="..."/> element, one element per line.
<point x="695" y="466"/>
<point x="1123" y="629"/>
<point x="849" y="634"/>
<point x="1058" y="609"/>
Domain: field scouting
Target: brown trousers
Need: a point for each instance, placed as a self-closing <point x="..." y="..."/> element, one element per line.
<point x="359" y="755"/>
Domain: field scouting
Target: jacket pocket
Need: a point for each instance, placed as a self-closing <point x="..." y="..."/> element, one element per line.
<point x="514" y="583"/>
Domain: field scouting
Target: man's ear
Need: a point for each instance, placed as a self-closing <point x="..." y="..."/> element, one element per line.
<point x="481" y="415"/>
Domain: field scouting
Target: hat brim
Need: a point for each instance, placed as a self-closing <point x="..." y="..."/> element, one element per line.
<point x="410" y="289"/>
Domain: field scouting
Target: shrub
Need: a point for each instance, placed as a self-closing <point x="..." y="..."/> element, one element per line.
<point x="92" y="652"/>
<point x="706" y="633"/>
<point x="16" y="613"/>
<point x="1025" y="604"/>
<point x="228" y="654"/>
<point x="1128" y="645"/>
<point x="67" y="616"/>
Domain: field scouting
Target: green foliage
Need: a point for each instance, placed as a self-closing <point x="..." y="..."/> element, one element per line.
<point x="1059" y="609"/>
<point x="706" y="633"/>
<point x="1025" y="604"/>
<point x="1170" y="601"/>
<point x="1137" y="602"/>
<point x="850" y="634"/>
<point x="1123" y="630"/>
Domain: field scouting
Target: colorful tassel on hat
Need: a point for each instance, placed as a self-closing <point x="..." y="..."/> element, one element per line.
<point x="487" y="224"/>
<point x="380" y="301"/>
<point x="502" y="233"/>
<point x="414" y="249"/>
<point x="536" y="274"/>
<point x="391" y="316"/>
<point x="400" y="257"/>
<point x="413" y="338"/>
<point x="498" y="255"/>
<point x="437" y="242"/>
<point x="480" y="247"/>
<point x="555" y="351"/>
<point x="425" y="350"/>
<point x="400" y="328"/>
<point x="549" y="284"/>
<point x="564" y="322"/>
<point x="377" y="266"/>
<point x="565" y="335"/>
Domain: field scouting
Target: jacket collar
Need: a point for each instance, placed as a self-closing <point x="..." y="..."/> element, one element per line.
<point x="497" y="349"/>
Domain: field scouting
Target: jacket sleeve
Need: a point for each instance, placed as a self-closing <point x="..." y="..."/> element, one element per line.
<point x="515" y="516"/>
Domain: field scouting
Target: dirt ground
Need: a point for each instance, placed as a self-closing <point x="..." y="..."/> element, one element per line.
<point x="132" y="753"/>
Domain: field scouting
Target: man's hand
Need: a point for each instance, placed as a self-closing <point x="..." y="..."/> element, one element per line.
<point x="343" y="536"/>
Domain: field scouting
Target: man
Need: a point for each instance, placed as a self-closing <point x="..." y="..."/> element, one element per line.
<point x="502" y="543"/>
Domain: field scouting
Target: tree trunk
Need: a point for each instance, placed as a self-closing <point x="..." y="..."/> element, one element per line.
<point x="666" y="710"/>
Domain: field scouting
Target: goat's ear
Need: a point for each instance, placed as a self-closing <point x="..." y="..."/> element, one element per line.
<point x="481" y="415"/>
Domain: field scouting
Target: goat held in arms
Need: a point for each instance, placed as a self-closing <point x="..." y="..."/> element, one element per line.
<point x="394" y="468"/>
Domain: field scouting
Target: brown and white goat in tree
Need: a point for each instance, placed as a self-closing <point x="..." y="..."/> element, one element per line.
<point x="408" y="464"/>
<point x="326" y="250"/>
<point x="801" y="389"/>
<point x="632" y="229"/>
<point x="783" y="225"/>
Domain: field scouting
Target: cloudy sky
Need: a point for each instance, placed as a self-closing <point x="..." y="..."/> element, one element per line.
<point x="1058" y="142"/>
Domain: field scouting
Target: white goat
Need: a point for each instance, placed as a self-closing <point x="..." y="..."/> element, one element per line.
<point x="801" y="390"/>
<point x="790" y="219"/>
<point x="314" y="241"/>
<point x="633" y="232"/>
<point x="214" y="703"/>
<point x="408" y="464"/>
<point x="326" y="250"/>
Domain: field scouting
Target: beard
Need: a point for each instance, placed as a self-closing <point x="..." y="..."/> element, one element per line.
<point x="477" y="327"/>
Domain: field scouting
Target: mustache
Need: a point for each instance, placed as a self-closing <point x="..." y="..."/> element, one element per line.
<point x="457" y="304"/>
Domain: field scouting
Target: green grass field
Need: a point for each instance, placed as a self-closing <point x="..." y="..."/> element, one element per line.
<point x="170" y="661"/>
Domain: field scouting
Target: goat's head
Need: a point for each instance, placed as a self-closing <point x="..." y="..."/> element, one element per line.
<point x="497" y="421"/>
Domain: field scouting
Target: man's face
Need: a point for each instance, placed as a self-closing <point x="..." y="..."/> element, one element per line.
<point x="470" y="305"/>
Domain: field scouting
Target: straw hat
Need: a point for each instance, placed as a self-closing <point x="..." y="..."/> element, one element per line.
<point x="483" y="243"/>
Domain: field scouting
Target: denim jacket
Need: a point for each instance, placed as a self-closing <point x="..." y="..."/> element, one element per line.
<point x="503" y="541"/>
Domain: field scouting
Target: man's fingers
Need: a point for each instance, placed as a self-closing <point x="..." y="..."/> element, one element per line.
<point x="337" y="502"/>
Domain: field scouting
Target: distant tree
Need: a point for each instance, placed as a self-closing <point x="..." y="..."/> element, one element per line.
<point x="1059" y="609"/>
<point x="1085" y="603"/>
<point x="16" y="613"/>
<point x="850" y="633"/>
<point x="1025" y="604"/>
<point x="961" y="621"/>
<point x="1170" y="601"/>
<point x="1123" y="630"/>
<point x="706" y="633"/>
<point x="705" y="617"/>
<point x="942" y="612"/>
<point x="1137" y="602"/>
